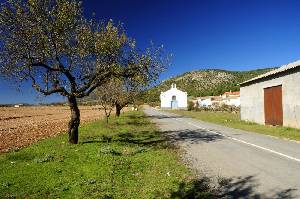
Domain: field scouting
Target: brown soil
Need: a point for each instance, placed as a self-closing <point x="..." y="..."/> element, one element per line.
<point x="23" y="126"/>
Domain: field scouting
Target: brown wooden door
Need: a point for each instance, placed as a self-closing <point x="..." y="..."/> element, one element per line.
<point x="277" y="105"/>
<point x="268" y="106"/>
<point x="273" y="105"/>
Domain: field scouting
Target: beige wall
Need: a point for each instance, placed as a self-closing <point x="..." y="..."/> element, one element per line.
<point x="252" y="100"/>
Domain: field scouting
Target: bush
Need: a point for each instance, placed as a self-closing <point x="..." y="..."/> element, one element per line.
<point x="191" y="105"/>
<point x="197" y="106"/>
<point x="154" y="104"/>
<point x="216" y="107"/>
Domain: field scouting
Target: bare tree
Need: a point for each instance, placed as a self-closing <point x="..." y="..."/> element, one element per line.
<point x="51" y="44"/>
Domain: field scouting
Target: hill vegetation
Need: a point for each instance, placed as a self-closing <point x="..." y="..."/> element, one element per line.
<point x="204" y="82"/>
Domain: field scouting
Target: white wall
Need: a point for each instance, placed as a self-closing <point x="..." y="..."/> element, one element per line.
<point x="205" y="102"/>
<point x="233" y="101"/>
<point x="252" y="100"/>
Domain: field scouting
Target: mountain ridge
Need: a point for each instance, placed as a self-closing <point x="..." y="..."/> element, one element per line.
<point x="204" y="82"/>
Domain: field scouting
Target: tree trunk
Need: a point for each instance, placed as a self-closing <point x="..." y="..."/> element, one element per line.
<point x="75" y="120"/>
<point x="118" y="109"/>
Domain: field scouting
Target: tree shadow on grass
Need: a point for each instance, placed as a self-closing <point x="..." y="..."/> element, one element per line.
<point x="154" y="138"/>
<point x="141" y="120"/>
<point x="134" y="137"/>
<point x="155" y="116"/>
<point x="157" y="138"/>
<point x="20" y="156"/>
<point x="149" y="137"/>
<point x="229" y="188"/>
<point x="142" y="138"/>
<point x="165" y="116"/>
<point x="134" y="122"/>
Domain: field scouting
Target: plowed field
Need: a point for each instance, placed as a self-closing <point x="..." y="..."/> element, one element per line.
<point x="23" y="126"/>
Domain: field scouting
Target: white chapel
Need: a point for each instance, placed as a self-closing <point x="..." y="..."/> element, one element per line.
<point x="173" y="99"/>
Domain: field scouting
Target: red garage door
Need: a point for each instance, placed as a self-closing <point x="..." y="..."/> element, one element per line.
<point x="273" y="105"/>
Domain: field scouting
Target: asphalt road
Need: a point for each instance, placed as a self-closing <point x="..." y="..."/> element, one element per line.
<point x="257" y="166"/>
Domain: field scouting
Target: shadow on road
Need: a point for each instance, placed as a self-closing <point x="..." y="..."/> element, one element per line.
<point x="193" y="136"/>
<point x="229" y="188"/>
<point x="164" y="116"/>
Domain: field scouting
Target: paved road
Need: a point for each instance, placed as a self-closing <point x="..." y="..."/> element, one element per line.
<point x="259" y="166"/>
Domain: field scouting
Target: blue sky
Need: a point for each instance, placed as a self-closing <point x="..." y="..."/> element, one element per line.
<point x="225" y="34"/>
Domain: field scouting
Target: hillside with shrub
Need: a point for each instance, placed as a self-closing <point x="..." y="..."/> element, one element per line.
<point x="204" y="82"/>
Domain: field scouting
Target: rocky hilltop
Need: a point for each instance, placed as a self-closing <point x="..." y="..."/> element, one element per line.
<point x="204" y="82"/>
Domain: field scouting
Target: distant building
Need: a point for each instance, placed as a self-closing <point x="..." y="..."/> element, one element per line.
<point x="232" y="98"/>
<point x="273" y="98"/>
<point x="209" y="101"/>
<point x="231" y="94"/>
<point x="173" y="99"/>
<point x="232" y="101"/>
<point x="228" y="98"/>
<point x="18" y="105"/>
<point x="205" y="101"/>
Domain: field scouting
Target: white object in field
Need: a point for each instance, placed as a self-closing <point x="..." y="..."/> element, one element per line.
<point x="134" y="108"/>
<point x="18" y="105"/>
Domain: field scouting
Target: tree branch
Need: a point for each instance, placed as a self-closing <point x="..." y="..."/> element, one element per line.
<point x="60" y="90"/>
<point x="43" y="65"/>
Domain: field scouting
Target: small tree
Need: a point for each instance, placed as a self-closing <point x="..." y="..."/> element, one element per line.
<point x="114" y="94"/>
<point x="190" y="106"/>
<point x="106" y="96"/>
<point x="51" y="44"/>
<point x="128" y="90"/>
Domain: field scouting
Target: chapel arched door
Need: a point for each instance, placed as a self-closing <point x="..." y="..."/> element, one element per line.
<point x="174" y="103"/>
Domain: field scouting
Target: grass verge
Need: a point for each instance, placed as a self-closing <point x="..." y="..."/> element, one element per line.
<point x="233" y="120"/>
<point x="128" y="158"/>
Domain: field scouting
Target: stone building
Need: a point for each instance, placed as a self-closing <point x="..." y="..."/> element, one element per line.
<point x="273" y="98"/>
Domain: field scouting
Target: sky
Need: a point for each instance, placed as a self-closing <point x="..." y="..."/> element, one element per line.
<point x="201" y="34"/>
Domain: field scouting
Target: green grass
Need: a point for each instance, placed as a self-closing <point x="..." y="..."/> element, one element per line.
<point x="128" y="158"/>
<point x="233" y="120"/>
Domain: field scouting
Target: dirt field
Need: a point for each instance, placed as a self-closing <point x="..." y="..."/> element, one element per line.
<point x="25" y="125"/>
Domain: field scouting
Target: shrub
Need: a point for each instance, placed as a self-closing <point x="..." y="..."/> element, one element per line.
<point x="191" y="105"/>
<point x="216" y="107"/>
<point x="197" y="106"/>
<point x="154" y="104"/>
